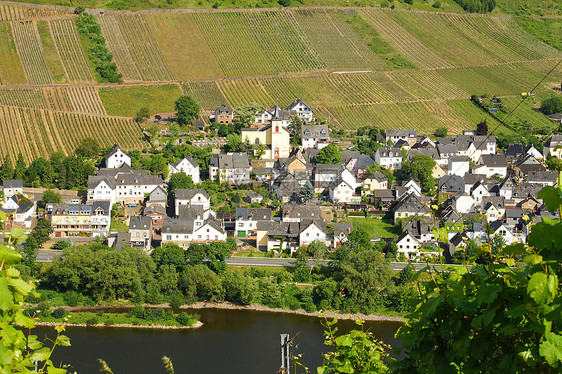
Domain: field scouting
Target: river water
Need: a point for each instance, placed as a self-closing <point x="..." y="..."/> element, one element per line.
<point x="231" y="341"/>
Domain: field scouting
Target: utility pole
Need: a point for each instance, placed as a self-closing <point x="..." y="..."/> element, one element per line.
<point x="285" y="363"/>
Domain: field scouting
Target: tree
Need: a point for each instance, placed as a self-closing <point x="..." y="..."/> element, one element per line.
<point x="359" y="240"/>
<point x="259" y="150"/>
<point x="294" y="128"/>
<point x="552" y="105"/>
<point x="307" y="191"/>
<point x="142" y="114"/>
<point x="329" y="155"/>
<point x="50" y="197"/>
<point x="41" y="231"/>
<point x="174" y="129"/>
<point x="21" y="166"/>
<point x="88" y="148"/>
<point x="186" y="109"/>
<point x="482" y="128"/>
<point x="441" y="132"/>
<point x="245" y="115"/>
<point x="420" y="169"/>
<point x="7" y="170"/>
<point x="180" y="181"/>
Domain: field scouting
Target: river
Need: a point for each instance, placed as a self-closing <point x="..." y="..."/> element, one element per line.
<point x="231" y="341"/>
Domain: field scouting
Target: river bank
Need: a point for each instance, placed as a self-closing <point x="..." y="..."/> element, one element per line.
<point x="252" y="307"/>
<point x="124" y="325"/>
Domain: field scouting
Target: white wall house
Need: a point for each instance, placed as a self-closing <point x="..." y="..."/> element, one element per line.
<point x="311" y="232"/>
<point x="408" y="245"/>
<point x="390" y="158"/>
<point x="187" y="166"/>
<point x="116" y="157"/>
<point x="191" y="197"/>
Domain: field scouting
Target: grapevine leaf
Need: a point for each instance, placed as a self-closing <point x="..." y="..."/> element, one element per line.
<point x="41" y="354"/>
<point x="6" y="300"/>
<point x="9" y="256"/>
<point x="542" y="288"/>
<point x="551" y="198"/>
<point x="551" y="349"/>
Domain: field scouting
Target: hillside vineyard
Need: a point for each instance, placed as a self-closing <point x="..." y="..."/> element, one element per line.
<point x="353" y="66"/>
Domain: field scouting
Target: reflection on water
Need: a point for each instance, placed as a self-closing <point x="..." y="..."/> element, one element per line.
<point x="231" y="341"/>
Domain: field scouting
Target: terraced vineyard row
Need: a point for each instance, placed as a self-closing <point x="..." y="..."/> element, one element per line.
<point x="23" y="97"/>
<point x="75" y="62"/>
<point x="59" y="131"/>
<point x="286" y="49"/>
<point x="207" y="94"/>
<point x="86" y="100"/>
<point x="29" y="48"/>
<point x="15" y="13"/>
<point x="57" y="99"/>
<point x="139" y="42"/>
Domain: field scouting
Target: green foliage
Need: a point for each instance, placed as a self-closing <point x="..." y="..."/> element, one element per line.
<point x="328" y="155"/>
<point x="441" y="132"/>
<point x="244" y="115"/>
<point x="18" y="350"/>
<point x="186" y="109"/>
<point x="50" y="196"/>
<point x="142" y="114"/>
<point x="477" y="6"/>
<point x="552" y="105"/>
<point x="294" y="128"/>
<point x="355" y="352"/>
<point x="99" y="54"/>
<point x="41" y="231"/>
<point x="180" y="180"/>
<point x="88" y="148"/>
<point x="307" y="191"/>
<point x="59" y="313"/>
<point x="494" y="317"/>
<point x="420" y="169"/>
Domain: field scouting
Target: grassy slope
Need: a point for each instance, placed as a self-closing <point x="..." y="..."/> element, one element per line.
<point x="126" y="101"/>
<point x="377" y="228"/>
<point x="51" y="56"/>
<point x="11" y="69"/>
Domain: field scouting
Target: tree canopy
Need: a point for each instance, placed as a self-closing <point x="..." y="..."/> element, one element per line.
<point x="552" y="105"/>
<point x="420" y="169"/>
<point x="329" y="155"/>
<point x="186" y="109"/>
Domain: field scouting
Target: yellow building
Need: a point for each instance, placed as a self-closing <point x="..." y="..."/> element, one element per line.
<point x="274" y="138"/>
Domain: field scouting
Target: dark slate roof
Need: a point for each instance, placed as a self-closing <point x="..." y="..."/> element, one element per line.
<point x="112" y="151"/>
<point x="328" y="169"/>
<point x="303" y="212"/>
<point x="191" y="211"/>
<point x="496" y="161"/>
<point x="349" y="155"/>
<point x="410" y="203"/>
<point x="286" y="229"/>
<point x="384" y="193"/>
<point x="399" y="132"/>
<point x="364" y="162"/>
<point x="188" y="194"/>
<point x="447" y="149"/>
<point x="389" y="152"/>
<point x="189" y="159"/>
<point x="515" y="150"/>
<point x="377" y="175"/>
<point x="295" y="103"/>
<point x="497" y="201"/>
<point x="342" y="227"/>
<point x="177" y="226"/>
<point x="514" y="213"/>
<point x="223" y="109"/>
<point x="140" y="223"/>
<point x="24" y="204"/>
<point x="542" y="176"/>
<point x="314" y="131"/>
<point x="12" y="183"/>
<point x="236" y="160"/>
<point x="255" y="214"/>
<point x="451" y="183"/>
<point x="527" y="189"/>
<point x="155" y="209"/>
<point x="417" y="227"/>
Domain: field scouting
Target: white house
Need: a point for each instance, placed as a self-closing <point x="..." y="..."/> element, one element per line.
<point x="185" y="231"/>
<point x="464" y="204"/>
<point x="116" y="157"/>
<point x="491" y="165"/>
<point x="478" y="191"/>
<point x="302" y="110"/>
<point x="408" y="245"/>
<point x="342" y="192"/>
<point x="187" y="166"/>
<point x="315" y="136"/>
<point x="232" y="167"/>
<point x="12" y="187"/>
<point x="395" y="135"/>
<point x="551" y="144"/>
<point x="390" y="158"/>
<point x="19" y="209"/>
<point x="191" y="197"/>
<point x="247" y="220"/>
<point x="311" y="231"/>
<point x="458" y="165"/>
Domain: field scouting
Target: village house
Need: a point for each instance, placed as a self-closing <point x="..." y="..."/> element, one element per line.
<point x="315" y="136"/>
<point x="232" y="168"/>
<point x="12" y="187"/>
<point x="157" y="214"/>
<point x="409" y="206"/>
<point x="19" y="208"/>
<point x="551" y="144"/>
<point x="375" y="181"/>
<point x="491" y="165"/>
<point x="93" y="219"/>
<point x="543" y="178"/>
<point x="408" y="245"/>
<point x="223" y="114"/>
<point x="300" y="213"/>
<point x="192" y="197"/>
<point x="299" y="108"/>
<point x="324" y="174"/>
<point x="115" y="158"/>
<point x="185" y="231"/>
<point x="123" y="185"/>
<point x="340" y="233"/>
<point x="390" y="158"/>
<point x="158" y="196"/>
<point x="286" y="187"/>
<point x="458" y="165"/>
<point x="311" y="231"/>
<point x="289" y="236"/>
<point x="247" y="220"/>
<point x="188" y="166"/>
<point x="395" y="135"/>
<point x="140" y="232"/>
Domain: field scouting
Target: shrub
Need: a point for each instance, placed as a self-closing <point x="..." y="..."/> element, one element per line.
<point x="437" y="5"/>
<point x="184" y="319"/>
<point x="72" y="298"/>
<point x="59" y="313"/>
<point x="177" y="300"/>
<point x="92" y="321"/>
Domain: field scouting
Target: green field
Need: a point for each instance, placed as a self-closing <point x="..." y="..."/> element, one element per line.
<point x="376" y="227"/>
<point x="126" y="101"/>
